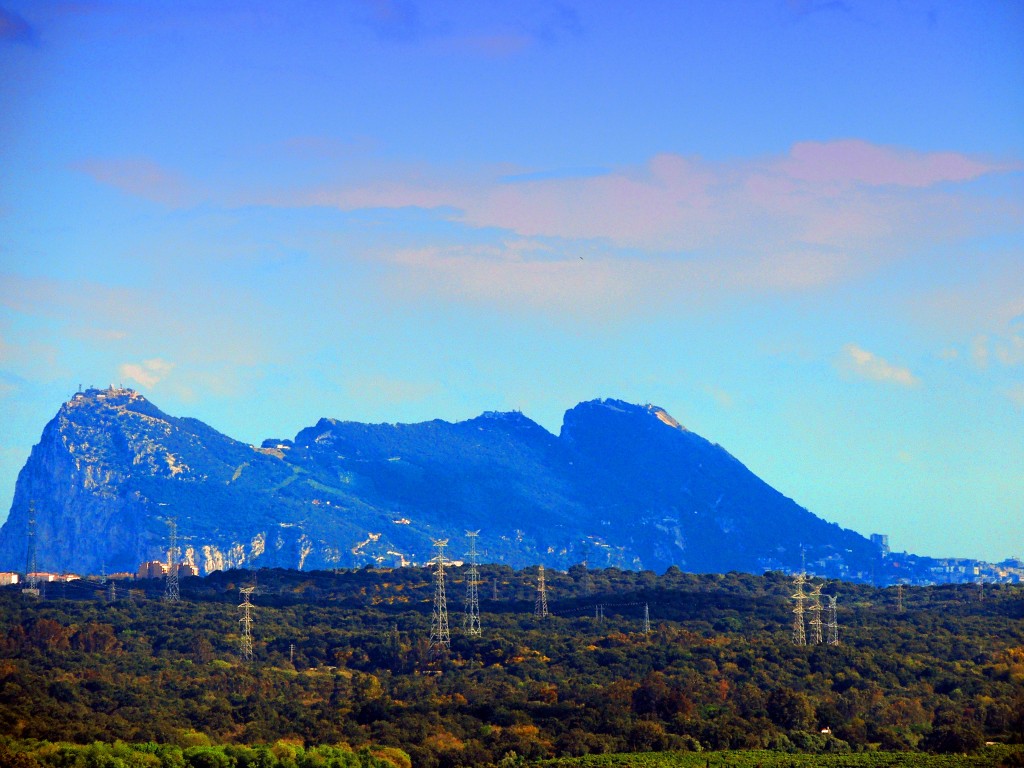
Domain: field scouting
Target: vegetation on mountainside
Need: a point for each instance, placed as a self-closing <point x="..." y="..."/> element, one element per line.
<point x="717" y="671"/>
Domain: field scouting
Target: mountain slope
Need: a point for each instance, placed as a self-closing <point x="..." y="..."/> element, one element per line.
<point x="621" y="485"/>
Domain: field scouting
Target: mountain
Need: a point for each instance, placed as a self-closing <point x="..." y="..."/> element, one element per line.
<point x="621" y="485"/>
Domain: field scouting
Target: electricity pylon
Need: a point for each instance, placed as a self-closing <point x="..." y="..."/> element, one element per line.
<point x="647" y="620"/>
<point x="32" y="580"/>
<point x="815" y="611"/>
<point x="472" y="619"/>
<point x="171" y="594"/>
<point x="440" y="637"/>
<point x="540" y="607"/>
<point x="246" y="622"/>
<point x="799" y="632"/>
<point x="587" y="584"/>
<point x="831" y="623"/>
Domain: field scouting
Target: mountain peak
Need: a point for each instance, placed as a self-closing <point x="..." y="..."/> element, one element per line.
<point x="113" y="398"/>
<point x="628" y="479"/>
<point x="602" y="409"/>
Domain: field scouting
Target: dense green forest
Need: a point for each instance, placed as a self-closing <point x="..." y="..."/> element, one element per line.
<point x="344" y="674"/>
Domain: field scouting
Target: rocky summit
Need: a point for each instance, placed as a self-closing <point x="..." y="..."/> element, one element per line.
<point x="621" y="485"/>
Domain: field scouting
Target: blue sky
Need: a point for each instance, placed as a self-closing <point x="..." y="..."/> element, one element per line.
<point x="796" y="226"/>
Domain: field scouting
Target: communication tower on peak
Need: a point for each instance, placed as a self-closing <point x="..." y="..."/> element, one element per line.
<point x="246" y="622"/>
<point x="31" y="570"/>
<point x="799" y="597"/>
<point x="540" y="606"/>
<point x="440" y="637"/>
<point x="171" y="594"/>
<point x="472" y="619"/>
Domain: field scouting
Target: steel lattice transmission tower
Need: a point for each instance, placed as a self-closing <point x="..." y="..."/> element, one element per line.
<point x="540" y="607"/>
<point x="440" y="637"/>
<point x="815" y="611"/>
<point x="899" y="598"/>
<point x="246" y="622"/>
<point x="830" y="620"/>
<point x="472" y="620"/>
<point x="588" y="585"/>
<point x="647" y="620"/>
<point x="31" y="569"/>
<point x="171" y="594"/>
<point x="799" y="596"/>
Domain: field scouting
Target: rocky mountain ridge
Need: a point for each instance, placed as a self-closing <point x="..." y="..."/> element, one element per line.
<point x="622" y="484"/>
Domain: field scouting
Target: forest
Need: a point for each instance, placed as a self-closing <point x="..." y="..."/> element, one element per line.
<point x="344" y="674"/>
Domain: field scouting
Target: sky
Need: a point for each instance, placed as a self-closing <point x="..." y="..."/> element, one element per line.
<point x="795" y="225"/>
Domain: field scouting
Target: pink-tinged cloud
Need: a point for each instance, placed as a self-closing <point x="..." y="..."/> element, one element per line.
<point x="874" y="368"/>
<point x="858" y="162"/>
<point x="148" y="373"/>
<point x="139" y="177"/>
<point x="840" y="196"/>
<point x="598" y="285"/>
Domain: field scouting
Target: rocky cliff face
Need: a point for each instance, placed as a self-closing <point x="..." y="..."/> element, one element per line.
<point x="621" y="485"/>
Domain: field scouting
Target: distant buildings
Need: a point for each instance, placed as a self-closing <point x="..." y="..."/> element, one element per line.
<point x="156" y="569"/>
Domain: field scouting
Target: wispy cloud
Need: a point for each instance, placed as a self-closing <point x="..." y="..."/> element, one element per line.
<point x="841" y="195"/>
<point x="1015" y="394"/>
<point x="874" y="368"/>
<point x="817" y="216"/>
<point x="15" y="29"/>
<point x="858" y="162"/>
<point x="500" y="32"/>
<point x="139" y="177"/>
<point x="397" y="20"/>
<point x="387" y="390"/>
<point x="593" y="282"/>
<point x="148" y="373"/>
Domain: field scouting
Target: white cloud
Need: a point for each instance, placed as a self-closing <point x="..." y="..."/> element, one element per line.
<point x="870" y="366"/>
<point x="1016" y="396"/>
<point x="979" y="351"/>
<point x="148" y="373"/>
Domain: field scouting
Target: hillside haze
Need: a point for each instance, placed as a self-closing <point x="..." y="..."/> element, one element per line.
<point x="622" y="485"/>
